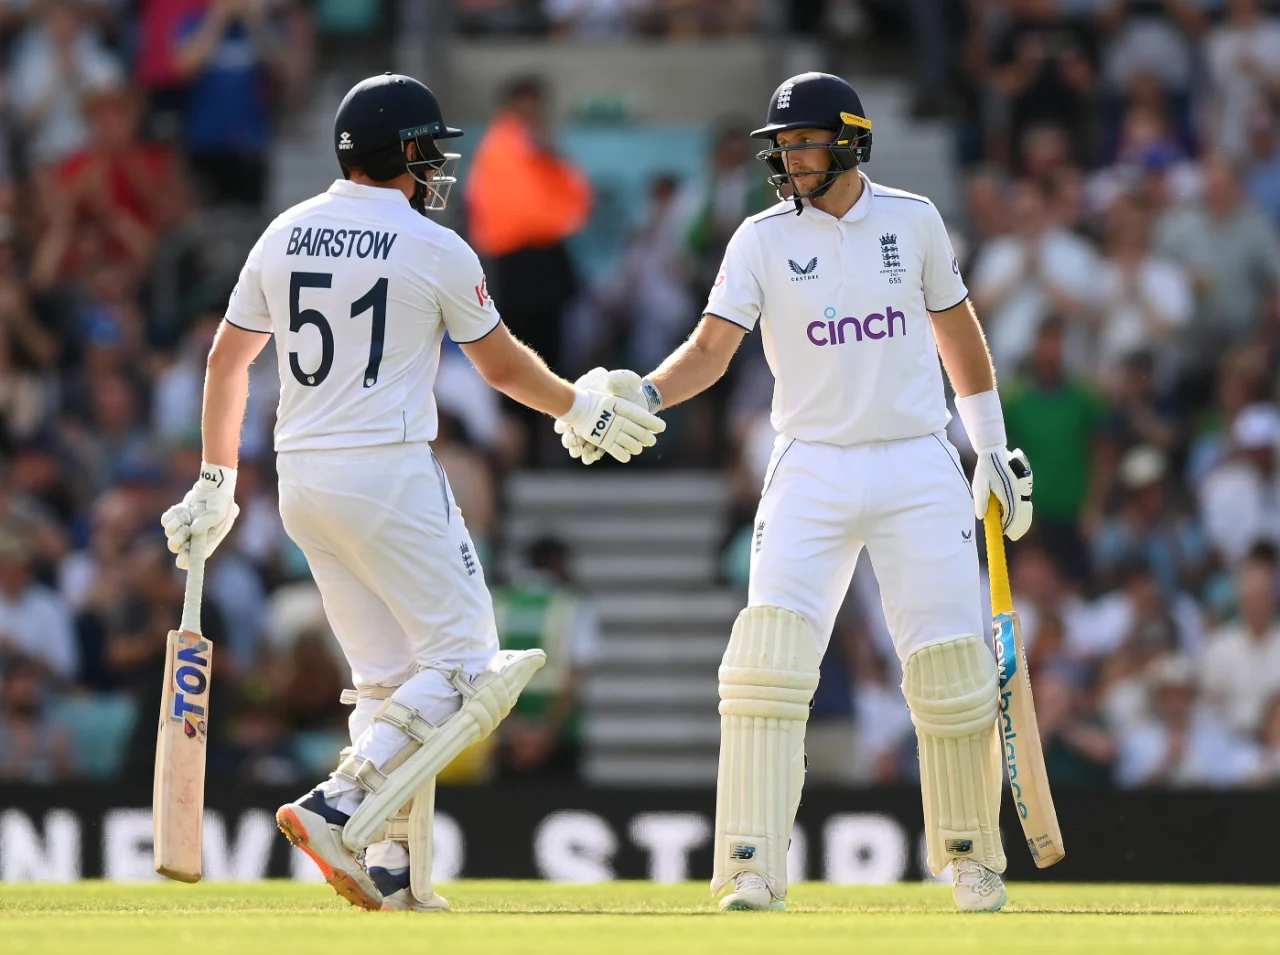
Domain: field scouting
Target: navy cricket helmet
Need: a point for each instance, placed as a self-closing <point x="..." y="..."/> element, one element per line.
<point x="375" y="120"/>
<point x="815" y="101"/>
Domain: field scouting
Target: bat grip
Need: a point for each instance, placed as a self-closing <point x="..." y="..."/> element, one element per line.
<point x="997" y="564"/>
<point x="195" y="584"/>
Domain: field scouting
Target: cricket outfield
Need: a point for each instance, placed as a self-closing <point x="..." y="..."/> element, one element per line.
<point x="621" y="918"/>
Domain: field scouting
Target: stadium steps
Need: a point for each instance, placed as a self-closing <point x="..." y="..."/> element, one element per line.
<point x="650" y="565"/>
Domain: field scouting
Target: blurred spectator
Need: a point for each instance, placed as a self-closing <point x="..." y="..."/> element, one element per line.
<point x="1078" y="750"/>
<point x="524" y="201"/>
<point x="227" y="54"/>
<point x="594" y="19"/>
<point x="1232" y="255"/>
<point x="652" y="293"/>
<point x="1144" y="299"/>
<point x="1240" y="498"/>
<point x="541" y="609"/>
<point x="1240" y="672"/>
<point x="1149" y="525"/>
<point x="1057" y="421"/>
<point x="708" y="209"/>
<point x="1045" y="68"/>
<point x="115" y="443"/>
<point x="1048" y="606"/>
<point x="158" y="72"/>
<point x="56" y="62"/>
<point x="1128" y="629"/>
<point x="1242" y="54"/>
<point x="119" y="188"/>
<point x="1269" y="741"/>
<point x="1264" y="163"/>
<point x="1241" y="381"/>
<point x="33" y="748"/>
<point x="1182" y="744"/>
<point x="886" y="738"/>
<point x="34" y="621"/>
<point x="1139" y="413"/>
<point x="986" y="194"/>
<point x="462" y="393"/>
<point x="1020" y="280"/>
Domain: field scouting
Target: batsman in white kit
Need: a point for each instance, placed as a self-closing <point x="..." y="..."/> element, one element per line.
<point x="857" y="293"/>
<point x="359" y="288"/>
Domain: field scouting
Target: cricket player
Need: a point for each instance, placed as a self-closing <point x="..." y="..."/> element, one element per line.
<point x="857" y="293"/>
<point x="359" y="288"/>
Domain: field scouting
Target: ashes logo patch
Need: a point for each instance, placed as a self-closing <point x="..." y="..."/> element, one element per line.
<point x="890" y="259"/>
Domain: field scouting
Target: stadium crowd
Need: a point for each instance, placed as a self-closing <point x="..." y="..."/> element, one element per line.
<point x="1122" y="185"/>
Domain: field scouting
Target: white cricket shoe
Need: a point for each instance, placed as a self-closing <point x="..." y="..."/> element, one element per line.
<point x="976" y="888"/>
<point x="751" y="894"/>
<point x="315" y="827"/>
<point x="397" y="896"/>
<point x="405" y="901"/>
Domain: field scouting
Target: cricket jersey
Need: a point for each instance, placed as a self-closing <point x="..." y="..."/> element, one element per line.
<point x="359" y="290"/>
<point x="843" y="306"/>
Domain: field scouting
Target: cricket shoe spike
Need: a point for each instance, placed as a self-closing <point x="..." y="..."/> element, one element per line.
<point x="976" y="888"/>
<point x="315" y="827"/>
<point x="398" y="897"/>
<point x="751" y="894"/>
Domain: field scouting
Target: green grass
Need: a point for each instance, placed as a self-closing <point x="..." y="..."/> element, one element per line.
<point x="622" y="918"/>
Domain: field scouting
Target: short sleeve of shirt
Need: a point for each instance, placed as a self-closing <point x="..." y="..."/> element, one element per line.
<point x="248" y="306"/>
<point x="463" y="293"/>
<point x="736" y="294"/>
<point x="943" y="287"/>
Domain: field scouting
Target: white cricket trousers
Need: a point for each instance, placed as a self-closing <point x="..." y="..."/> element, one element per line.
<point x="402" y="586"/>
<point x="908" y="502"/>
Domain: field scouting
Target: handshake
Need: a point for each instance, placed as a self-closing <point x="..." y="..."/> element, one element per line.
<point x="613" y="415"/>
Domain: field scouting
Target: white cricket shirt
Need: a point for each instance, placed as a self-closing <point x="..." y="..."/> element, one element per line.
<point x="359" y="289"/>
<point x="843" y="309"/>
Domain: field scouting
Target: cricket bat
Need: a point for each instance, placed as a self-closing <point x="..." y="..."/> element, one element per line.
<point x="1024" y="757"/>
<point x="177" y="803"/>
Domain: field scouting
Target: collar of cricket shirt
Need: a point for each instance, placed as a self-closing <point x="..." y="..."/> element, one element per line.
<point x="355" y="190"/>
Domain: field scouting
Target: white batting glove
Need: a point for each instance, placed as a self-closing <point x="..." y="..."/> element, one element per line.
<point x="210" y="506"/>
<point x="1007" y="475"/>
<point x="620" y="382"/>
<point x="618" y="427"/>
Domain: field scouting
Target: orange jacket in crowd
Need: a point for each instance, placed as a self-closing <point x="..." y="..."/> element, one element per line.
<point x="519" y="196"/>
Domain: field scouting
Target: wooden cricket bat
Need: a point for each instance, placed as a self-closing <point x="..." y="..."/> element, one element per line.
<point x="177" y="803"/>
<point x="1024" y="757"/>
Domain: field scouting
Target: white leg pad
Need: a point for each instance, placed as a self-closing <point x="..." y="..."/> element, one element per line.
<point x="412" y="826"/>
<point x="487" y="700"/>
<point x="767" y="679"/>
<point x="951" y="688"/>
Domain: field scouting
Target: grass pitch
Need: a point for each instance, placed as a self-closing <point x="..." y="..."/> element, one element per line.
<point x="622" y="918"/>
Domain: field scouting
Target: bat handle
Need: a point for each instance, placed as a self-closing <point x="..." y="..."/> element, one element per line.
<point x="195" y="584"/>
<point x="997" y="564"/>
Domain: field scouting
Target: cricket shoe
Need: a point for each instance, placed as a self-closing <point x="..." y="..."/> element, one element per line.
<point x="751" y="893"/>
<point x="315" y="827"/>
<point x="398" y="897"/>
<point x="976" y="888"/>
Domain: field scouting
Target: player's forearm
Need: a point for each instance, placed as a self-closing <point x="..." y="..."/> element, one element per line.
<point x="523" y="376"/>
<point x="226" y="394"/>
<point x="964" y="350"/>
<point x="698" y="363"/>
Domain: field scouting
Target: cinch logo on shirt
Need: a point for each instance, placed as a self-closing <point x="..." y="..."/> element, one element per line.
<point x="874" y="326"/>
<point x="335" y="242"/>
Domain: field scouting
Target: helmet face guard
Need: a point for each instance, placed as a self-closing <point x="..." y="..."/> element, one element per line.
<point x="434" y="171"/>
<point x="850" y="148"/>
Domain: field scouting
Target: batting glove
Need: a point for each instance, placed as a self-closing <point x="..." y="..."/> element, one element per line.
<point x="209" y="507"/>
